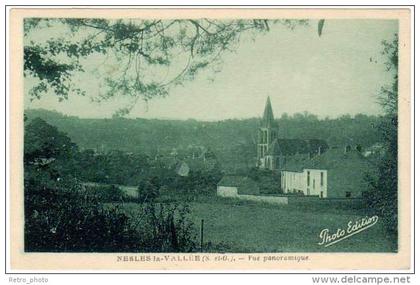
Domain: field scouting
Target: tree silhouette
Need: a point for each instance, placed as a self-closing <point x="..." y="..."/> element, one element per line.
<point x="384" y="199"/>
<point x="138" y="51"/>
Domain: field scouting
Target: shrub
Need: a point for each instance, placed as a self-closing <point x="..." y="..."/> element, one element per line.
<point x="382" y="199"/>
<point x="62" y="216"/>
<point x="268" y="181"/>
<point x="148" y="190"/>
<point x="107" y="193"/>
<point x="166" y="228"/>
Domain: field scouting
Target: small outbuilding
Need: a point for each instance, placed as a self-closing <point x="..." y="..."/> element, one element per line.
<point x="232" y="186"/>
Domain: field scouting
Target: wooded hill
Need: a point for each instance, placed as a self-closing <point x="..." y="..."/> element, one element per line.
<point x="232" y="141"/>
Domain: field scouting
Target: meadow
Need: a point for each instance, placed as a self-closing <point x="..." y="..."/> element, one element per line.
<point x="243" y="226"/>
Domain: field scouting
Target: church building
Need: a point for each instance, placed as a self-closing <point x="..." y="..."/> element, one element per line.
<point x="268" y="152"/>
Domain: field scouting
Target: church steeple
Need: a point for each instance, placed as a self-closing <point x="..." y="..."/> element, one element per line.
<point x="268" y="116"/>
<point x="268" y="149"/>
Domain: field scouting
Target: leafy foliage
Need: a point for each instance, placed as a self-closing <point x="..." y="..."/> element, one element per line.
<point x="112" y="167"/>
<point x="61" y="215"/>
<point x="268" y="181"/>
<point x="167" y="228"/>
<point x="149" y="189"/>
<point x="51" y="74"/>
<point x="384" y="189"/>
<point x="140" y="52"/>
<point x="388" y="96"/>
<point x="47" y="148"/>
<point x="107" y="193"/>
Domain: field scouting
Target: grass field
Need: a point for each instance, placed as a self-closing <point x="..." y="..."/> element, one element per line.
<point x="232" y="226"/>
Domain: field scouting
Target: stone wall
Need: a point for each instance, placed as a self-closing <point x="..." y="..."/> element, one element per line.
<point x="281" y="200"/>
<point x="231" y="192"/>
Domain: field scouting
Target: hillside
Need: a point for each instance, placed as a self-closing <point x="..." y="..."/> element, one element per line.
<point x="232" y="141"/>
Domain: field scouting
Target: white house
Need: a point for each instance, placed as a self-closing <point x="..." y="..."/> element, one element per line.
<point x="311" y="182"/>
<point x="316" y="182"/>
<point x="333" y="174"/>
<point x="292" y="181"/>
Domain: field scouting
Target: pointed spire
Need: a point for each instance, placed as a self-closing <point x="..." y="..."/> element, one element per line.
<point x="268" y="117"/>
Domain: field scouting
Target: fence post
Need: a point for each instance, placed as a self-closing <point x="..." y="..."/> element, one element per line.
<point x="202" y="234"/>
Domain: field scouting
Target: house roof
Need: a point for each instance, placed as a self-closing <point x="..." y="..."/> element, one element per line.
<point x="182" y="168"/>
<point x="295" y="163"/>
<point x="179" y="164"/>
<point x="331" y="159"/>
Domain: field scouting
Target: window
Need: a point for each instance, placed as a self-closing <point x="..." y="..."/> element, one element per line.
<point x="322" y="178"/>
<point x="273" y="135"/>
<point x="322" y="194"/>
<point x="308" y="178"/>
<point x="313" y="184"/>
<point x="265" y="136"/>
<point x="348" y="194"/>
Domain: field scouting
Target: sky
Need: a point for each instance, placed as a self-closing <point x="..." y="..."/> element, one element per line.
<point x="329" y="76"/>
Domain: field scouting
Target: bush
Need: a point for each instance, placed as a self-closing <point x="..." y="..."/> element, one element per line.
<point x="166" y="228"/>
<point x="148" y="190"/>
<point x="62" y="216"/>
<point x="107" y="193"/>
<point x="382" y="198"/>
<point x="268" y="181"/>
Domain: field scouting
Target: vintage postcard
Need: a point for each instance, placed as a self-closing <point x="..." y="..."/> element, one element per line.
<point x="210" y="139"/>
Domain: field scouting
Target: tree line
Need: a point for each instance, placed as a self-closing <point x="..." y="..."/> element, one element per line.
<point x="232" y="141"/>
